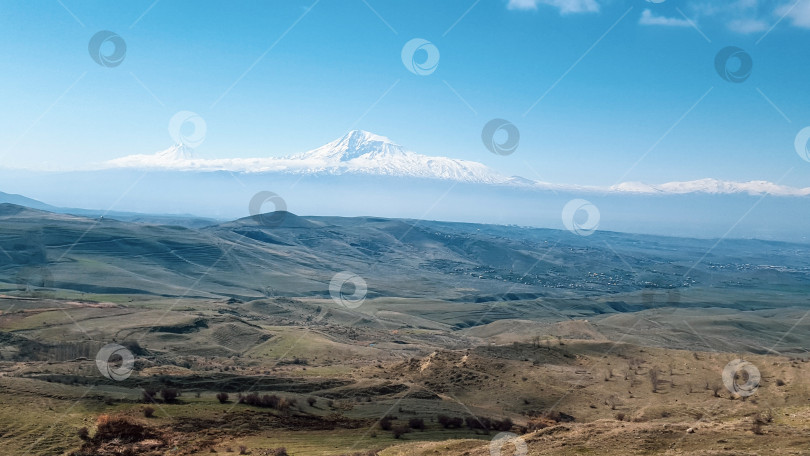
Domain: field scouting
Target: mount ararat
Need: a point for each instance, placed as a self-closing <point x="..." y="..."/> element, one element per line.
<point x="363" y="174"/>
<point x="361" y="152"/>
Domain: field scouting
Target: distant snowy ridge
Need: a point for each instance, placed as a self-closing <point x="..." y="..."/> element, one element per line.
<point x="358" y="152"/>
<point x="713" y="186"/>
<point x="361" y="152"/>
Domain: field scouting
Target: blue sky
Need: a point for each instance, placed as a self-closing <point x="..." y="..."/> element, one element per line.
<point x="621" y="79"/>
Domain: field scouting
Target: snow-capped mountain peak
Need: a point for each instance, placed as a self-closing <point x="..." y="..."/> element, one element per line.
<point x="711" y="186"/>
<point x="178" y="152"/>
<point x="354" y="144"/>
<point x="357" y="152"/>
<point x="361" y="152"/>
<point x="177" y="156"/>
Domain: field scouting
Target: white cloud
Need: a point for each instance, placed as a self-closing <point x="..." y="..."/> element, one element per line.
<point x="748" y="25"/>
<point x="799" y="14"/>
<point x="565" y="6"/>
<point x="739" y="16"/>
<point x="648" y="18"/>
<point x="752" y="16"/>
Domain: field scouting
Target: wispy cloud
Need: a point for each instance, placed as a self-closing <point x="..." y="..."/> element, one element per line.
<point x="648" y="18"/>
<point x="798" y="12"/>
<point x="565" y="6"/>
<point x="748" y="25"/>
<point x="754" y="16"/>
<point x="739" y="16"/>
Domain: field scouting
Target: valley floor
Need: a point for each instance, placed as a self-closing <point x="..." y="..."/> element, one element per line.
<point x="367" y="388"/>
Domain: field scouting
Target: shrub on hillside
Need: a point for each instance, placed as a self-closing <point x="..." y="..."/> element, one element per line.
<point x="169" y="394"/>
<point x="385" y="423"/>
<point x="122" y="429"/>
<point x="450" y="422"/>
<point x="482" y="423"/>
<point x="416" y="423"/>
<point x="503" y="425"/>
<point x="400" y="430"/>
<point x="149" y="395"/>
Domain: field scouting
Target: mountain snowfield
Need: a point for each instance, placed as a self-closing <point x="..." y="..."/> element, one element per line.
<point x="361" y="152"/>
<point x="713" y="186"/>
<point x="357" y="152"/>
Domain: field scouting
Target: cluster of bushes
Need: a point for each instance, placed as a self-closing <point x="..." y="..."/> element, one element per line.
<point x="119" y="429"/>
<point x="399" y="430"/>
<point x="416" y="423"/>
<point x="386" y="424"/>
<point x="450" y="423"/>
<point x="168" y="395"/>
<point x="269" y="401"/>
<point x="481" y="423"/>
<point x="296" y="361"/>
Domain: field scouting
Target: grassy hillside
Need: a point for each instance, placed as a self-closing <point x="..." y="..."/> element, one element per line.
<point x="614" y="344"/>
